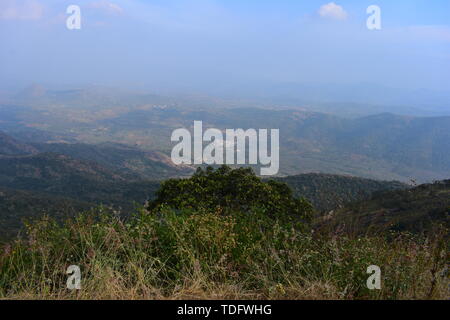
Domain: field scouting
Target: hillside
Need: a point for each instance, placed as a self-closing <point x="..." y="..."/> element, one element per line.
<point x="327" y="191"/>
<point x="12" y="147"/>
<point x="62" y="175"/>
<point x="46" y="170"/>
<point x="414" y="210"/>
<point x="129" y="161"/>
<point x="408" y="142"/>
<point x="17" y="205"/>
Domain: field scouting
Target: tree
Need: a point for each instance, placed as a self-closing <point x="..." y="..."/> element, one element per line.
<point x="231" y="190"/>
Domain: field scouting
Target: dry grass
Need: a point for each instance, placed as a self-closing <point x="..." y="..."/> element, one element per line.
<point x="210" y="256"/>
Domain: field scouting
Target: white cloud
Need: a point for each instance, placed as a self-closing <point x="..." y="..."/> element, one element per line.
<point x="21" y="10"/>
<point x="333" y="11"/>
<point x="106" y="6"/>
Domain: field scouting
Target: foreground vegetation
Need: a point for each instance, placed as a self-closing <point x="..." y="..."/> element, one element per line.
<point x="233" y="245"/>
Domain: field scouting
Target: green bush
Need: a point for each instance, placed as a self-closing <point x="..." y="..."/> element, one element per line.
<point x="238" y="190"/>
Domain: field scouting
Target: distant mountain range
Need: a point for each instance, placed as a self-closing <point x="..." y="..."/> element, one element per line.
<point x="356" y="99"/>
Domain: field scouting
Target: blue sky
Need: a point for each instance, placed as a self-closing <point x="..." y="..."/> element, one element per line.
<point x="205" y="44"/>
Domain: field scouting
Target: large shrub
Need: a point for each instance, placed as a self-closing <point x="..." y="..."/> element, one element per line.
<point x="231" y="190"/>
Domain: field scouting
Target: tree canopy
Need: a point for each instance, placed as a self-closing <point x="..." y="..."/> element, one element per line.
<point x="232" y="190"/>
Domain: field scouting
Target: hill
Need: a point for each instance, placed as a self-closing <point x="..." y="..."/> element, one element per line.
<point x="17" y="205"/>
<point x="329" y="191"/>
<point x="60" y="186"/>
<point x="12" y="147"/>
<point x="62" y="175"/>
<point x="127" y="160"/>
<point x="407" y="142"/>
<point x="415" y="210"/>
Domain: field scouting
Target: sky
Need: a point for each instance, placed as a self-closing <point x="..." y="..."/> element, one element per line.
<point x="210" y="44"/>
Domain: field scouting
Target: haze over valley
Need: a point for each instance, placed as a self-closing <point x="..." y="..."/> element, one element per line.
<point x="386" y="145"/>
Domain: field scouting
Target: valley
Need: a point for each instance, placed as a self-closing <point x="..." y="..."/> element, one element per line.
<point x="382" y="146"/>
<point x="81" y="148"/>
